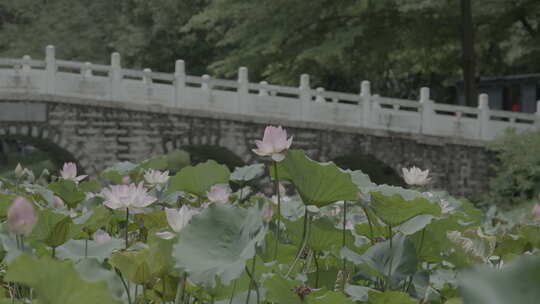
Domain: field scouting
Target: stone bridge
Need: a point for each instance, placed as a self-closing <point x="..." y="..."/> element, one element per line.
<point x="101" y="114"/>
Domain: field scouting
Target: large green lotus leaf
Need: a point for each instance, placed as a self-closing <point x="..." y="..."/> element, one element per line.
<point x="517" y="282"/>
<point x="116" y="172"/>
<point x="90" y="186"/>
<point x="415" y="224"/>
<point x="318" y="184"/>
<point x="57" y="282"/>
<point x="5" y="203"/>
<point x="357" y="293"/>
<point x="323" y="236"/>
<point x="91" y="270"/>
<point x="54" y="229"/>
<point x="94" y="219"/>
<point x="159" y="162"/>
<point x="40" y="193"/>
<point x="280" y="290"/>
<point x="378" y="259"/>
<point x="218" y="242"/>
<point x="286" y="254"/>
<point x="68" y="191"/>
<point x="75" y="249"/>
<point x="390" y="297"/>
<point x="324" y="296"/>
<point x="242" y="175"/>
<point x="198" y="179"/>
<point x="361" y="180"/>
<point x="133" y="265"/>
<point x="395" y="210"/>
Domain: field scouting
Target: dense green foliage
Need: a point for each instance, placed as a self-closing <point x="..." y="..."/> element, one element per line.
<point x="517" y="177"/>
<point x="340" y="43"/>
<point x="383" y="244"/>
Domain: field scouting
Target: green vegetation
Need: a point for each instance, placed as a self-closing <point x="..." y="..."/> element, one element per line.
<point x="400" y="45"/>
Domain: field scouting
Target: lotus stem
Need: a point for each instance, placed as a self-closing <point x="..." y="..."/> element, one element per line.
<point x="344" y="231"/>
<point x="126" y="287"/>
<point x="252" y="283"/>
<point x="127" y="228"/>
<point x="276" y="190"/>
<point x="316" y="260"/>
<point x="305" y="237"/>
<point x="85" y="248"/>
<point x="421" y="241"/>
<point x="370" y="225"/>
<point x="233" y="292"/>
<point x="391" y="257"/>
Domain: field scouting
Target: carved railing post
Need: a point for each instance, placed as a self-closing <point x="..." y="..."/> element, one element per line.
<point x="305" y="96"/>
<point x="427" y="114"/>
<point x="50" y="69"/>
<point x="179" y="84"/>
<point x="365" y="99"/>
<point x="116" y="76"/>
<point x="483" y="116"/>
<point x="243" y="105"/>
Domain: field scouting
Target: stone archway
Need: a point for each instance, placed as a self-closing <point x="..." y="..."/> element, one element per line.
<point x="378" y="171"/>
<point x="202" y="153"/>
<point x="46" y="140"/>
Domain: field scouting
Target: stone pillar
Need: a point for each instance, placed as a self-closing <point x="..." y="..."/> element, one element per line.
<point x="483" y="117"/>
<point x="242" y="106"/>
<point x="50" y="69"/>
<point x="427" y="113"/>
<point x="305" y="96"/>
<point x="116" y="76"/>
<point x="178" y="99"/>
<point x="365" y="98"/>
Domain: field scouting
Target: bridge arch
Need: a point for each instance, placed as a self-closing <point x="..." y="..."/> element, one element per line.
<point x="378" y="171"/>
<point x="46" y="140"/>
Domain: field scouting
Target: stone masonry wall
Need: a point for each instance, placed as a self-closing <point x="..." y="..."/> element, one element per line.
<point x="99" y="134"/>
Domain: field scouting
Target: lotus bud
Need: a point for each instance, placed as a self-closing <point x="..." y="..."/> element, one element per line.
<point x="268" y="213"/>
<point x="536" y="211"/>
<point x="19" y="171"/>
<point x="58" y="202"/>
<point x="126" y="180"/>
<point x="101" y="236"/>
<point x="21" y="216"/>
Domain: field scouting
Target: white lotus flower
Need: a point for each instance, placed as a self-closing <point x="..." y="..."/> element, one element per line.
<point x="179" y="218"/>
<point x="218" y="194"/>
<point x="274" y="143"/>
<point x="69" y="172"/>
<point x="133" y="197"/>
<point x="101" y="236"/>
<point x="155" y="177"/>
<point x="415" y="176"/>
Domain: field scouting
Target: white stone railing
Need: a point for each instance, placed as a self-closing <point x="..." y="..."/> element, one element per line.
<point x="112" y="82"/>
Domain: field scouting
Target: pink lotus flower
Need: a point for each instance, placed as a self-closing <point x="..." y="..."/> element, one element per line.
<point x="155" y="177"/>
<point x="133" y="197"/>
<point x="218" y="194"/>
<point x="179" y="218"/>
<point x="69" y="172"/>
<point x="101" y="236"/>
<point x="58" y="202"/>
<point x="21" y="216"/>
<point x="536" y="211"/>
<point x="126" y="180"/>
<point x="274" y="143"/>
<point x="19" y="171"/>
<point x="268" y="213"/>
<point x="415" y="176"/>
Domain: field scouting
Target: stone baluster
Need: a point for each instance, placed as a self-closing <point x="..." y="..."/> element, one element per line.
<point x="483" y="116"/>
<point x="263" y="91"/>
<point x="243" y="105"/>
<point x="179" y="83"/>
<point x="50" y="69"/>
<point x="427" y="114"/>
<point x="305" y="96"/>
<point x="86" y="70"/>
<point x="365" y="99"/>
<point x="116" y="76"/>
<point x="205" y="84"/>
<point x="320" y="98"/>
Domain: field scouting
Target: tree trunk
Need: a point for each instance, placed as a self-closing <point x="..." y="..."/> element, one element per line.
<point x="468" y="55"/>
